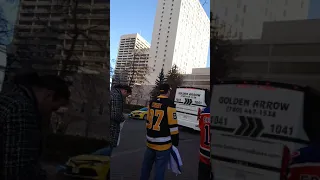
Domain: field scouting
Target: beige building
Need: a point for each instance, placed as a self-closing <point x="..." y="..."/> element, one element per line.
<point x="132" y="59"/>
<point x="200" y="78"/>
<point x="45" y="28"/>
<point x="287" y="52"/>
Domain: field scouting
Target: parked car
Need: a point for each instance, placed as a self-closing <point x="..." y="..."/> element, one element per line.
<point x="139" y="114"/>
<point x="89" y="166"/>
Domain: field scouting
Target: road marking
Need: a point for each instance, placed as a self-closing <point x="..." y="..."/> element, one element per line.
<point x="140" y="149"/>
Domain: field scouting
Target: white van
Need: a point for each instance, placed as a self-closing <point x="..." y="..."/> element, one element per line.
<point x="254" y="126"/>
<point x="188" y="100"/>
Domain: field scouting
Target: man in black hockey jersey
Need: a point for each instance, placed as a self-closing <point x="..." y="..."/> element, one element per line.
<point x="162" y="133"/>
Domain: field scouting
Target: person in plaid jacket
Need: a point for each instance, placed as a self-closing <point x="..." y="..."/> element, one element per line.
<point x="22" y="112"/>
<point x="117" y="95"/>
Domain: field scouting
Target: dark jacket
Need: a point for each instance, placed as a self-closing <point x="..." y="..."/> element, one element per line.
<point x="20" y="136"/>
<point x="116" y="106"/>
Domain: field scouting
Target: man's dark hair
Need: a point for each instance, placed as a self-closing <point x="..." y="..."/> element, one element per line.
<point x="56" y="84"/>
<point x="124" y="87"/>
<point x="51" y="82"/>
<point x="164" y="88"/>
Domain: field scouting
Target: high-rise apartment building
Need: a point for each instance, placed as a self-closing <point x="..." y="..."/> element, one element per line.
<point x="243" y="19"/>
<point x="181" y="35"/>
<point x="132" y="59"/>
<point x="44" y="32"/>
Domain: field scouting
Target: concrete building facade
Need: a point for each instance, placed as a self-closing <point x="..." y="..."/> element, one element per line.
<point x="290" y="55"/>
<point x="199" y="78"/>
<point x="181" y="35"/>
<point x="243" y="19"/>
<point x="45" y="27"/>
<point x="133" y="55"/>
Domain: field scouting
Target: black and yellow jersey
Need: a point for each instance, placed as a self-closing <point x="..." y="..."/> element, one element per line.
<point x="162" y="125"/>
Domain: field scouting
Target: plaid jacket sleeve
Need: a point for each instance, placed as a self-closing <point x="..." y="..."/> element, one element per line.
<point x="116" y="105"/>
<point x="20" y="143"/>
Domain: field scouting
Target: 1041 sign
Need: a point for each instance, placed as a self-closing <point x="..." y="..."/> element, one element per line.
<point x="281" y="129"/>
<point x="218" y="120"/>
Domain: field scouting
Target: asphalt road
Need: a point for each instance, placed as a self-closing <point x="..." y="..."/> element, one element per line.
<point x="127" y="158"/>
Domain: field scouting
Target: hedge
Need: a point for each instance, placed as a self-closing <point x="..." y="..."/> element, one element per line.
<point x="59" y="147"/>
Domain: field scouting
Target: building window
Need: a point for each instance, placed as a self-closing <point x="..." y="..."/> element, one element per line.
<point x="244" y="9"/>
<point x="155" y="57"/>
<point x="166" y="46"/>
<point x="266" y="12"/>
<point x="160" y="25"/>
<point x="162" y="65"/>
<point x="159" y="33"/>
<point x="302" y="3"/>
<point x="239" y="4"/>
<point x="170" y="18"/>
<point x="171" y="4"/>
<point x="164" y="56"/>
<point x="169" y="22"/>
<point x="171" y="9"/>
<point x="167" y="36"/>
<point x="164" y="60"/>
<point x="158" y="38"/>
<point x="157" y="42"/>
<point x="284" y="13"/>
<point x="240" y="35"/>
<point x="168" y="27"/>
<point x="170" y="13"/>
<point x="226" y="11"/>
<point x="162" y="16"/>
<point x="166" y="40"/>
<point x="160" y="20"/>
<point x="242" y="22"/>
<point x="162" y="12"/>
<point x="156" y="51"/>
<point x="168" y="31"/>
<point x="236" y="18"/>
<point x="165" y="50"/>
<point x="159" y="29"/>
<point x="164" y="3"/>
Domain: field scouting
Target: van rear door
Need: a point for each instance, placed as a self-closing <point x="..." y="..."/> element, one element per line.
<point x="188" y="101"/>
<point x="252" y="124"/>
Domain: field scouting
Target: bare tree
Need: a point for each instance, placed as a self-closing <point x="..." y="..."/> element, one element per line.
<point x="72" y="42"/>
<point x="135" y="70"/>
<point x="92" y="92"/>
<point x="223" y="52"/>
<point x="6" y="30"/>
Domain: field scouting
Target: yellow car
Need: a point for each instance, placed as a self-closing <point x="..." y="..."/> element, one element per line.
<point x="139" y="114"/>
<point x="93" y="167"/>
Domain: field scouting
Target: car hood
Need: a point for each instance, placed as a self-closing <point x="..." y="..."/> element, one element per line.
<point x="136" y="112"/>
<point x="90" y="158"/>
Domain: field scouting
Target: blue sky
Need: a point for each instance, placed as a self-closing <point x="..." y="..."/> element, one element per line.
<point x="134" y="17"/>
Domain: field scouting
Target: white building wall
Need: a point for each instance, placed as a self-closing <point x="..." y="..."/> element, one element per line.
<point x="244" y="19"/>
<point x="181" y="36"/>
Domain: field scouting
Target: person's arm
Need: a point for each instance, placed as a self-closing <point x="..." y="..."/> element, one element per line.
<point x="116" y="110"/>
<point x="20" y="149"/>
<point x="173" y="125"/>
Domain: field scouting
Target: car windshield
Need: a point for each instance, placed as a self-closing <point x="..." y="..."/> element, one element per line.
<point x="144" y="109"/>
